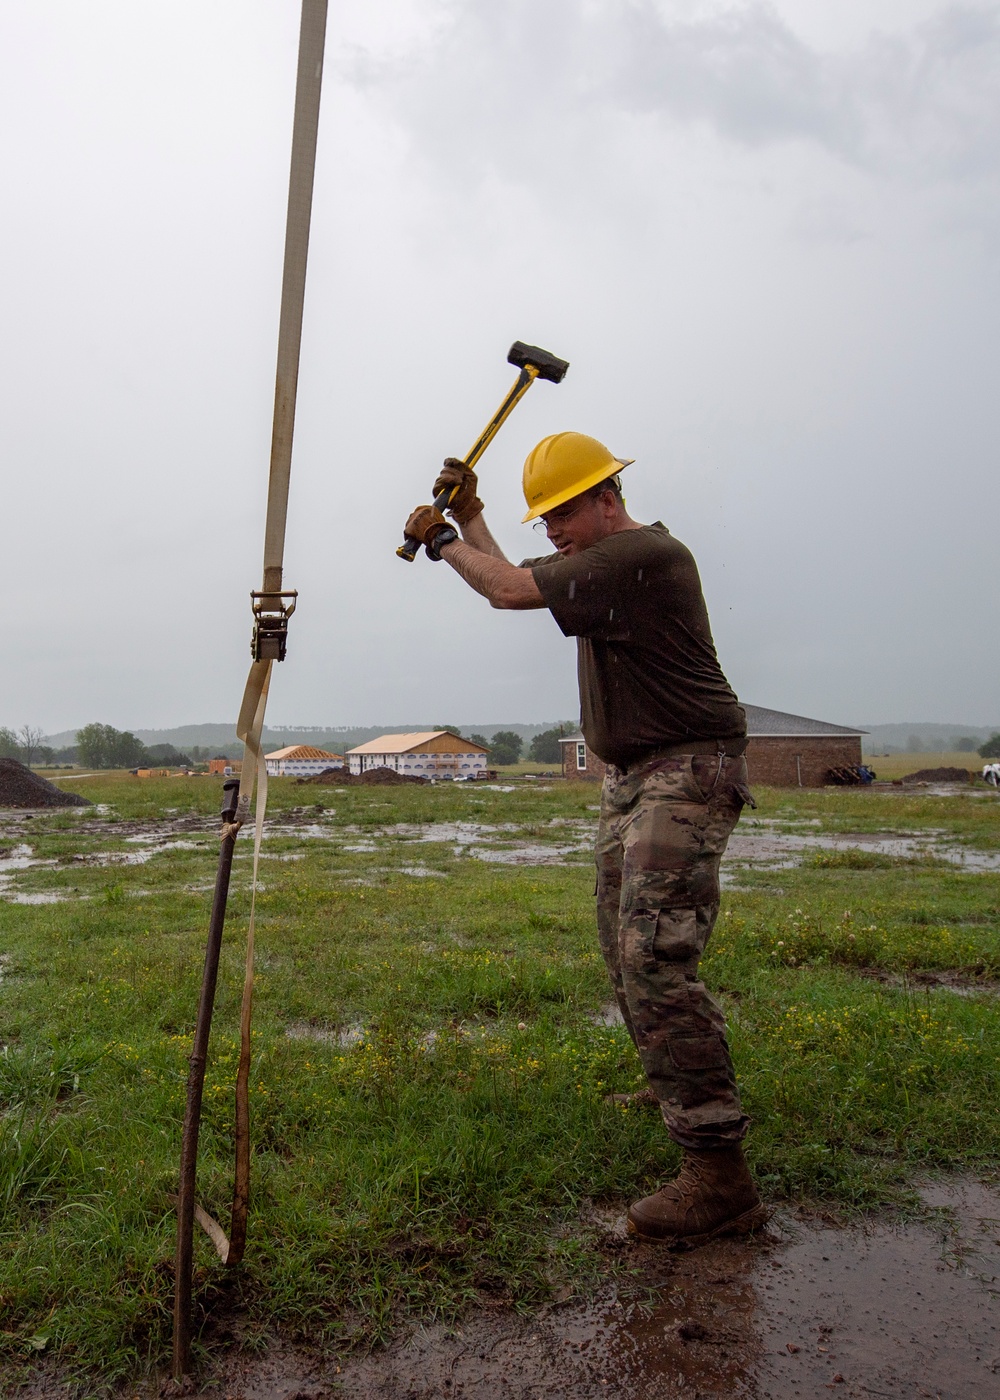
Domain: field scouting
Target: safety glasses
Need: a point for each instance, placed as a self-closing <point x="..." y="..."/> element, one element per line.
<point x="554" y="518"/>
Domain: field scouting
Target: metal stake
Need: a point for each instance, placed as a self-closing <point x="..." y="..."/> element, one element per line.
<point x="195" y="1087"/>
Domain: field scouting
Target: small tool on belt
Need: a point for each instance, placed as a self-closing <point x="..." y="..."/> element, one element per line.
<point x="534" y="363"/>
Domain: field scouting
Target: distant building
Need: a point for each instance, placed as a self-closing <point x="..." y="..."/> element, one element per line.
<point x="225" y="767"/>
<point x="301" y="761"/>
<point x="783" y="750"/>
<point x="435" y="754"/>
<point x="793" y="751"/>
<point x="579" y="760"/>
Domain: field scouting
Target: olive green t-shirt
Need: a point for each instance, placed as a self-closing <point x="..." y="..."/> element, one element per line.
<point x="649" y="675"/>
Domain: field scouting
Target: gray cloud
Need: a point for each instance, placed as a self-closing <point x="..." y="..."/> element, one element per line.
<point x="764" y="237"/>
<point x="924" y="104"/>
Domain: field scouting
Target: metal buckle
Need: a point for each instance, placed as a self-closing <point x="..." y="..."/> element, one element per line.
<point x="271" y="612"/>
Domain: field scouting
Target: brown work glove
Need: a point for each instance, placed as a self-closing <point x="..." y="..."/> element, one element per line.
<point x="425" y="523"/>
<point x="464" y="505"/>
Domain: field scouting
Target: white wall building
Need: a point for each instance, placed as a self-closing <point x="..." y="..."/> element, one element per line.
<point x="301" y="761"/>
<point x="434" y="754"/>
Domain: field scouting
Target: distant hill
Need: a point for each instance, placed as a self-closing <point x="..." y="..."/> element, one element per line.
<point x="923" y="737"/>
<point x="918" y="737"/>
<point x="221" y="738"/>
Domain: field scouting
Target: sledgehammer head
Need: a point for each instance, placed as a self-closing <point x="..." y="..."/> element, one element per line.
<point x="547" y="365"/>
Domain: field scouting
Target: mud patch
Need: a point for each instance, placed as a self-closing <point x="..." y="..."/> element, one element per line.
<point x="940" y="775"/>
<point x="21" y="857"/>
<point x="776" y="850"/>
<point x="153" y="847"/>
<point x="326" y="1035"/>
<point x="528" y="855"/>
<point x="609" y="1015"/>
<point x="802" y="1309"/>
<point x="499" y="844"/>
<point x="963" y="984"/>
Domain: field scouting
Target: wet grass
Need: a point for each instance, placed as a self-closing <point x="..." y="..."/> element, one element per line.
<point x="970" y="817"/>
<point x="432" y="1127"/>
<point x="898" y="765"/>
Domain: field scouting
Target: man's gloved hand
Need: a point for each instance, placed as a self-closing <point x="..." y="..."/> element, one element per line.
<point x="464" y="505"/>
<point x="429" y="527"/>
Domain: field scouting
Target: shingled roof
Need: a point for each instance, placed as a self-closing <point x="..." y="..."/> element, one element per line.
<point x="774" y="724"/>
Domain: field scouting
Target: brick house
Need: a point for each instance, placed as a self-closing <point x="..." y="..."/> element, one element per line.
<point x="792" y="751"/>
<point x="434" y="754"/>
<point x="783" y="750"/>
<point x="577" y="759"/>
<point x="225" y="767"/>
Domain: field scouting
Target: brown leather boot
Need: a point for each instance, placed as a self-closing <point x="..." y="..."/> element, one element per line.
<point x="713" y="1194"/>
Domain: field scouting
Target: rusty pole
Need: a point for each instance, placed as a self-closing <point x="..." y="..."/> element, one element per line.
<point x="184" y="1257"/>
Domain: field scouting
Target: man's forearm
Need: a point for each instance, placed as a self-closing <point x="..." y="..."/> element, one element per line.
<point x="478" y="534"/>
<point x="503" y="583"/>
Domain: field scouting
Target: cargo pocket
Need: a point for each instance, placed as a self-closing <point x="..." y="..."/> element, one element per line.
<point x="677" y="937"/>
<point x="638" y="930"/>
<point x="705" y="1051"/>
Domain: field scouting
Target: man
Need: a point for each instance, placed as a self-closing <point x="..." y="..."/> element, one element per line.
<point x="658" y="710"/>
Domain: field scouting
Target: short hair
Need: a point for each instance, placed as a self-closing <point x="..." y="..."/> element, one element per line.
<point x="611" y="483"/>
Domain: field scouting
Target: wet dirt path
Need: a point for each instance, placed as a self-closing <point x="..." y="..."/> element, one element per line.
<point x="805" y="1309"/>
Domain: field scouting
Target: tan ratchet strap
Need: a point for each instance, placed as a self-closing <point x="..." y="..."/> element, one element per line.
<point x="250" y="725"/>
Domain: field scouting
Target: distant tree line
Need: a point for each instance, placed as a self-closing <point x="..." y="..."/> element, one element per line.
<point x="506" y="747"/>
<point x="25" y="745"/>
<point x="103" y="746"/>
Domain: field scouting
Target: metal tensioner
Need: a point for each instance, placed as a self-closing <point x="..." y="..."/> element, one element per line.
<point x="271" y="612"/>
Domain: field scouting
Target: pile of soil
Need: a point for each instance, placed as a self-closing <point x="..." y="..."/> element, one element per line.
<point x="19" y="787"/>
<point x="340" y="777"/>
<point x="939" y="775"/>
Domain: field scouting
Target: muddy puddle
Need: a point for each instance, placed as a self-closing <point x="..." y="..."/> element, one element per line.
<point x="757" y="844"/>
<point x="504" y="843"/>
<point x="775" y="850"/>
<point x="803" y="1309"/>
<point x="962" y="984"/>
<point x="14" y="859"/>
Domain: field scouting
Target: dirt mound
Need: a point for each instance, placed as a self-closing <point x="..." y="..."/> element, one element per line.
<point x="939" y="775"/>
<point x="339" y="777"/>
<point x="19" y="787"/>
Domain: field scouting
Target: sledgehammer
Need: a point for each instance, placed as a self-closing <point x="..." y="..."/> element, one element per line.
<point x="533" y="363"/>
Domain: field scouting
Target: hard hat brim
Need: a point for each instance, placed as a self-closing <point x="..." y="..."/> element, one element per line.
<point x="559" y="498"/>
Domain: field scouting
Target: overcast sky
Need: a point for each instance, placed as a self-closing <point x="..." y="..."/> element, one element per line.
<point x="765" y="235"/>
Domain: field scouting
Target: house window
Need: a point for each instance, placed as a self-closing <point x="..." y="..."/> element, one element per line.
<point x="581" y="756"/>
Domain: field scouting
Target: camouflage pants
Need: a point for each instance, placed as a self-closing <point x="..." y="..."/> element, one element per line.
<point x="664" y="826"/>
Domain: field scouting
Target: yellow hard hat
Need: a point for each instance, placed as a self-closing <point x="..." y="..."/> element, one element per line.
<point x="563" y="465"/>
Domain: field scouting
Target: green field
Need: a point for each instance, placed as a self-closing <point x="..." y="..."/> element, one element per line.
<point x="897" y="765"/>
<point x="431" y="1068"/>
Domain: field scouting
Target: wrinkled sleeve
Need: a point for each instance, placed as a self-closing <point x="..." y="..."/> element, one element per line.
<point x="581" y="592"/>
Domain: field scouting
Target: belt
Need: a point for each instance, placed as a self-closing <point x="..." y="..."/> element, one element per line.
<point x="728" y="748"/>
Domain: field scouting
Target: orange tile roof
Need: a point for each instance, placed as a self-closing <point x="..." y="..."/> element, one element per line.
<point x="301" y="751"/>
<point x="403" y="743"/>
